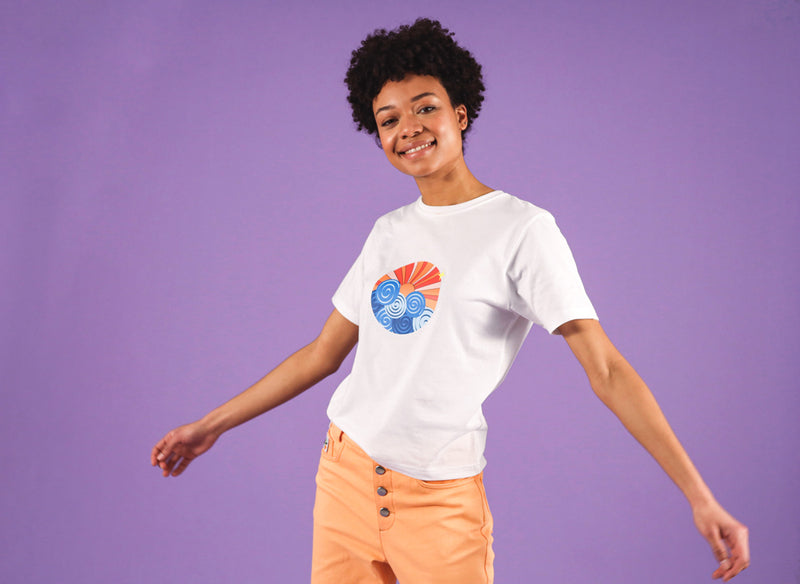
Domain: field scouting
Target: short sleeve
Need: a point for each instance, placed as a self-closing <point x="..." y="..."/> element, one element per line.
<point x="546" y="287"/>
<point x="348" y="296"/>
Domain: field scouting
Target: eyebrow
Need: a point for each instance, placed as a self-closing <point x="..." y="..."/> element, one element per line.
<point x="413" y="99"/>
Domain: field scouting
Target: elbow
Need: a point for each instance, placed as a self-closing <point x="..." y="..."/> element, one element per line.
<point x="601" y="385"/>
<point x="324" y="361"/>
<point x="603" y="379"/>
<point x="618" y="384"/>
<point x="330" y="367"/>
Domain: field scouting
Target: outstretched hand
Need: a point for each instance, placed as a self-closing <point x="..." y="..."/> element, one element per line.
<point x="180" y="446"/>
<point x="728" y="539"/>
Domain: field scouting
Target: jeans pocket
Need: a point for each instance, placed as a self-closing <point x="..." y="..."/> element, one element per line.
<point x="333" y="445"/>
<point x="446" y="484"/>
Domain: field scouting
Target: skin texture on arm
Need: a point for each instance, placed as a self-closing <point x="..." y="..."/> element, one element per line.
<point x="322" y="357"/>
<point x="621" y="389"/>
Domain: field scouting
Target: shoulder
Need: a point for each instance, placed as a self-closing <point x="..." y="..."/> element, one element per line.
<point x="521" y="216"/>
<point x="520" y="209"/>
<point x="392" y="217"/>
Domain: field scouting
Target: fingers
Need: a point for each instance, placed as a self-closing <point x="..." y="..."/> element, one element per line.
<point x="181" y="467"/>
<point x="722" y="571"/>
<point x="721" y="554"/>
<point x="740" y="551"/>
<point x="718" y="548"/>
<point x="160" y="451"/>
<point x="728" y="572"/>
<point x="174" y="465"/>
<point x="731" y="564"/>
<point x="167" y="463"/>
<point x="173" y="453"/>
<point x="726" y="567"/>
<point x="165" y="454"/>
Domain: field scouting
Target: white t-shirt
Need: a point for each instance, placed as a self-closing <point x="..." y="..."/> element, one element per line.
<point x="443" y="298"/>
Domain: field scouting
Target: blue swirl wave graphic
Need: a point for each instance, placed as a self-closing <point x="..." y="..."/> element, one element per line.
<point x="421" y="320"/>
<point x="403" y="325"/>
<point x="376" y="304"/>
<point x="387" y="291"/>
<point x="384" y="319"/>
<point x="415" y="304"/>
<point x="397" y="308"/>
<point x="396" y="312"/>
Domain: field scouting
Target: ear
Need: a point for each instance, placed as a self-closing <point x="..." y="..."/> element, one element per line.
<point x="461" y="116"/>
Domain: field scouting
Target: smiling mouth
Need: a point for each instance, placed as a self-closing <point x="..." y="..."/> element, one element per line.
<point x="419" y="148"/>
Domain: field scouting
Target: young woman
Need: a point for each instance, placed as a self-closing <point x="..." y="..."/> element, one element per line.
<point x="439" y="300"/>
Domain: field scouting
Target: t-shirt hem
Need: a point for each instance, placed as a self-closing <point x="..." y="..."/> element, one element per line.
<point x="551" y="328"/>
<point x="450" y="473"/>
<point x="421" y="474"/>
<point x="337" y="304"/>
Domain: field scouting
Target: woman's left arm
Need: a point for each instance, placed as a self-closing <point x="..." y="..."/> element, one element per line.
<point x="621" y="389"/>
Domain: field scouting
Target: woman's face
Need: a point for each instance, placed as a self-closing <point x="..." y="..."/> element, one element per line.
<point x="419" y="129"/>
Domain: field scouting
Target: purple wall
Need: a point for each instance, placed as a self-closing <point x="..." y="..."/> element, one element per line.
<point x="181" y="191"/>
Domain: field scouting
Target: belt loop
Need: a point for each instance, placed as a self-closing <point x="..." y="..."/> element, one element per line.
<point x="336" y="432"/>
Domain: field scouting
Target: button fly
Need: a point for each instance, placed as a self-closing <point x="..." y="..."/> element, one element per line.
<point x="380" y="470"/>
<point x="384" y="512"/>
<point x="382" y="492"/>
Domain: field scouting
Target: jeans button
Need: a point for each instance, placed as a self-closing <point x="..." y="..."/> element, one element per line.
<point x="382" y="492"/>
<point x="380" y="470"/>
<point x="384" y="512"/>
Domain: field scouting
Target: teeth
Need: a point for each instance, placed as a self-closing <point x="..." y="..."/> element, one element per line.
<point x="418" y="148"/>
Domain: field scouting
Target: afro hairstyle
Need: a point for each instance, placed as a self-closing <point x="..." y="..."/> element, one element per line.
<point x="423" y="48"/>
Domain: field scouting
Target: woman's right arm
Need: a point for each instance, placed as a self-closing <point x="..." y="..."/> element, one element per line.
<point x="312" y="363"/>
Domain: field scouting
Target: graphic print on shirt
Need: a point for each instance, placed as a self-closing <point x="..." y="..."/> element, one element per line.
<point x="403" y="300"/>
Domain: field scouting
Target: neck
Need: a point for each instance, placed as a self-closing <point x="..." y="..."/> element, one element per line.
<point x="451" y="189"/>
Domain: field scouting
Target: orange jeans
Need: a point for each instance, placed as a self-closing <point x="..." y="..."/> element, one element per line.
<point x="373" y="525"/>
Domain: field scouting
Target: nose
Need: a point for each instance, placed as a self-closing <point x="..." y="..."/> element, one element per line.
<point x="411" y="126"/>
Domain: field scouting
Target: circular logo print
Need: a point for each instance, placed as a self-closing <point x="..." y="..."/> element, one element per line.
<point x="404" y="300"/>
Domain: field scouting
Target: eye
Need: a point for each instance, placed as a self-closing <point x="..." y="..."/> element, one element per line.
<point x="387" y="122"/>
<point x="427" y="109"/>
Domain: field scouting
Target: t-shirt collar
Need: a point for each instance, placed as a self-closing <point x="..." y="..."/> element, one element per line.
<point x="457" y="208"/>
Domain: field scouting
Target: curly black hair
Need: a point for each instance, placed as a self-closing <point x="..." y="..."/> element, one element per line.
<point x="423" y="48"/>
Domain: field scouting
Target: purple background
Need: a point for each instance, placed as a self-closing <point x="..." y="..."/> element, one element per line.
<point x="181" y="190"/>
